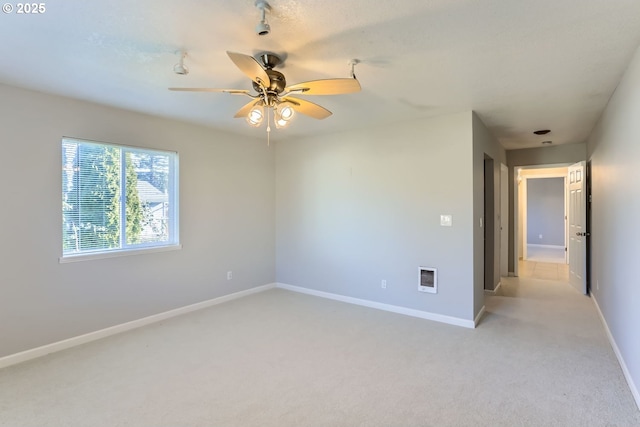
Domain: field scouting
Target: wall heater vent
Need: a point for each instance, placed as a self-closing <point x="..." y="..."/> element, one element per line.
<point x="428" y="280"/>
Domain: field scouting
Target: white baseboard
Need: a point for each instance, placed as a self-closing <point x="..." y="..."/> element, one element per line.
<point x="23" y="356"/>
<point x="546" y="246"/>
<point x="381" y="306"/>
<point x="479" y="316"/>
<point x="616" y="350"/>
<point x="494" y="291"/>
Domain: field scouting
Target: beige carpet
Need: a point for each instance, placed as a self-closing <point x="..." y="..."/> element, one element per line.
<point x="539" y="358"/>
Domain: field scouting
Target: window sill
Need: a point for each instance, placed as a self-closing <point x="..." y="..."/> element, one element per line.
<point x="119" y="253"/>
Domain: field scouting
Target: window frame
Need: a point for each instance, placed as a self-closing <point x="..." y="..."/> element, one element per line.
<point x="124" y="248"/>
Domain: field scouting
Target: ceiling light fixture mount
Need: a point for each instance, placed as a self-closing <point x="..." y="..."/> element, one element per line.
<point x="353" y="64"/>
<point x="263" y="28"/>
<point x="180" y="68"/>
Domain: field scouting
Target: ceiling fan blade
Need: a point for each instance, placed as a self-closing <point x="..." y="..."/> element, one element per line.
<point x="251" y="68"/>
<point x="326" y="87"/>
<point x="244" y="111"/>
<point x="308" y="108"/>
<point x="207" y="89"/>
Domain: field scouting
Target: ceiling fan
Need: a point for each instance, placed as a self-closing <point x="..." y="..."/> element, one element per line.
<point x="272" y="92"/>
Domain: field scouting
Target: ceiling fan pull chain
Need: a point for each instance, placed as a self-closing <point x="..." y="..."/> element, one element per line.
<point x="268" y="127"/>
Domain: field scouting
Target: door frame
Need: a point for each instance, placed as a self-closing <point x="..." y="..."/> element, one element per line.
<point x="521" y="174"/>
<point x="489" y="224"/>
<point x="504" y="220"/>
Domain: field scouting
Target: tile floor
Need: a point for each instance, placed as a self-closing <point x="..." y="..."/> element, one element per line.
<point x="543" y="270"/>
<point x="549" y="254"/>
<point x="544" y="263"/>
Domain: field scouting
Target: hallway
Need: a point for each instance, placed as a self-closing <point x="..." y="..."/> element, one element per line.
<point x="559" y="342"/>
<point x="550" y="254"/>
<point x="543" y="270"/>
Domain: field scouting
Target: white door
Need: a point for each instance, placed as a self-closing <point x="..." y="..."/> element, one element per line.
<point x="577" y="227"/>
<point x="504" y="221"/>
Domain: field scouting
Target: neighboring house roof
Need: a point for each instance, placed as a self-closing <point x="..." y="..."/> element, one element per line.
<point x="150" y="194"/>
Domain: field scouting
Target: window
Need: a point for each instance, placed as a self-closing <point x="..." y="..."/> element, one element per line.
<point x="117" y="198"/>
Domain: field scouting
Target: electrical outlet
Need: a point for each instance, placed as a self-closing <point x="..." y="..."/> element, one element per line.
<point x="229" y="275"/>
<point x="383" y="284"/>
<point x="597" y="285"/>
<point x="539" y="236"/>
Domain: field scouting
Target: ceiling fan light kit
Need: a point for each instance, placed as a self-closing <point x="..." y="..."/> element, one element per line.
<point x="255" y="116"/>
<point x="284" y="112"/>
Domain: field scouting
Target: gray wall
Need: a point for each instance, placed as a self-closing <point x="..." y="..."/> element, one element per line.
<point x="614" y="152"/>
<point x="554" y="155"/>
<point x="357" y="207"/>
<point x="545" y="211"/>
<point x="558" y="154"/>
<point x="227" y="212"/>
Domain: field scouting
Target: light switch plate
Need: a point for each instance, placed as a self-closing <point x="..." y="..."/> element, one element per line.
<point x="446" y="220"/>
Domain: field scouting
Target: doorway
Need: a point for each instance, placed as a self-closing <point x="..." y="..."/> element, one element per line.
<point x="542" y="214"/>
<point x="489" y="225"/>
<point x="545" y="237"/>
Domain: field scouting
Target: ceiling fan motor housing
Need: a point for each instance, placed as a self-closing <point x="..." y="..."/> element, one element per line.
<point x="278" y="82"/>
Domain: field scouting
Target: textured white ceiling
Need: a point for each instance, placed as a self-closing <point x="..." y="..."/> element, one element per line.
<point x="521" y="65"/>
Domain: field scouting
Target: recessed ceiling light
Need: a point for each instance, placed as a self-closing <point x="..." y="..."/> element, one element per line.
<point x="542" y="132"/>
<point x="547" y="142"/>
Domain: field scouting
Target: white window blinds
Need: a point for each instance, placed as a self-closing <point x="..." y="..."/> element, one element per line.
<point x="117" y="198"/>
